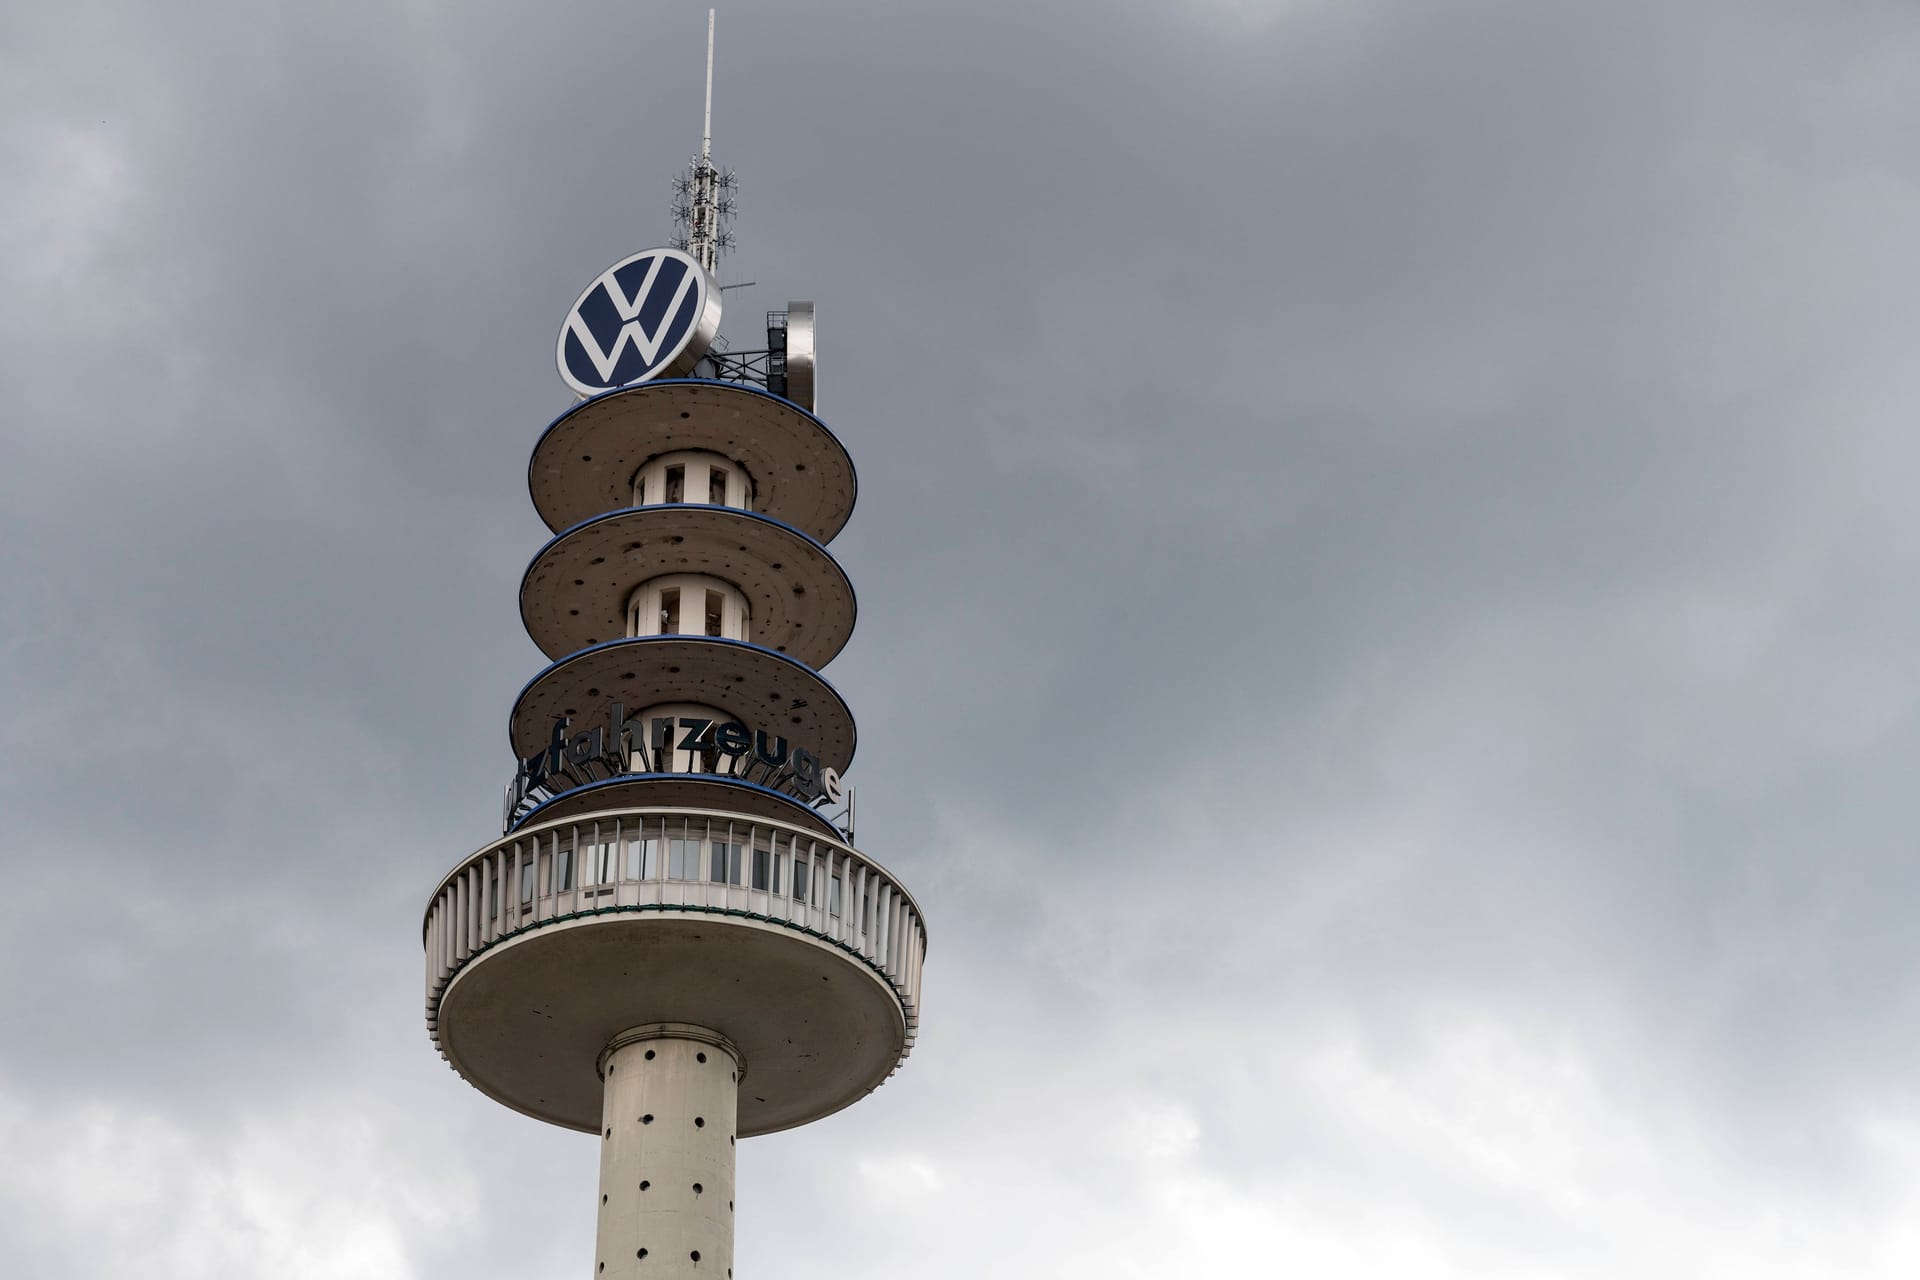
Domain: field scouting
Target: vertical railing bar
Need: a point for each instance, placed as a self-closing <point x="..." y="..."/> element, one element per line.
<point x="780" y="905"/>
<point x="919" y="957"/>
<point x="523" y="905"/>
<point x="466" y="912"/>
<point x="494" y="869"/>
<point x="843" y="880"/>
<point x="894" y="905"/>
<point x="489" y="892"/>
<point x="813" y="882"/>
<point x="859" y="899"/>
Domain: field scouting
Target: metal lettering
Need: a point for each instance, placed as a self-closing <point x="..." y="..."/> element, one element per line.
<point x="695" y="737"/>
<point x="584" y="748"/>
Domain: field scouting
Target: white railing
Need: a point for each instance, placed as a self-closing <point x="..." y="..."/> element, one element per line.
<point x="676" y="859"/>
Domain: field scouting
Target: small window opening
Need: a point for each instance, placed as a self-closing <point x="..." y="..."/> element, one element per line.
<point x="670" y="611"/>
<point x="716" y="486"/>
<point x="676" y="484"/>
<point x="603" y="862"/>
<point x="683" y="859"/>
<point x="643" y="858"/>
<point x="716" y="603"/>
<point x="766" y="872"/>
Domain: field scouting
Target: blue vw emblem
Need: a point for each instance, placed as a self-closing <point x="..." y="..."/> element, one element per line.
<point x="652" y="315"/>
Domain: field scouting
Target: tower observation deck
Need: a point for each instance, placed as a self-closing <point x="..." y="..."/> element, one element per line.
<point x="674" y="944"/>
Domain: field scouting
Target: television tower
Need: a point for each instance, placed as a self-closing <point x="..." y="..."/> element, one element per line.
<point x="674" y="943"/>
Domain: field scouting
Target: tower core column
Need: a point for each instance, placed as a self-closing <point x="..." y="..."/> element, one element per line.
<point x="669" y="1106"/>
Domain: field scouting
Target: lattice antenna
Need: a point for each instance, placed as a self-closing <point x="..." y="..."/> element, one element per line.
<point x="703" y="199"/>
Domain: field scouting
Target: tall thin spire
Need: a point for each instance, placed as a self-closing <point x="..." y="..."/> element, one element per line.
<point x="706" y="125"/>
<point x="703" y="199"/>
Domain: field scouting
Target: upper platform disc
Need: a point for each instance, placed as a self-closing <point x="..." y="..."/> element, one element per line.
<point x="585" y="462"/>
<point x="575" y="592"/>
<point x="763" y="689"/>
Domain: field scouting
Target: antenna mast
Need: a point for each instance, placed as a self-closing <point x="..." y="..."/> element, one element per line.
<point x="703" y="199"/>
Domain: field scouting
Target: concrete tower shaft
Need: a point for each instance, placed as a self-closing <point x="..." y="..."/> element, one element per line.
<point x="667" y="1152"/>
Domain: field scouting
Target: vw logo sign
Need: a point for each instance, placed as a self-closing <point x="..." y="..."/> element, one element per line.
<point x="652" y="315"/>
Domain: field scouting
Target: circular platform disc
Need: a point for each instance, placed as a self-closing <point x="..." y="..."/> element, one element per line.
<point x="757" y="685"/>
<point x="574" y="594"/>
<point x="525" y="1020"/>
<point x="585" y="462"/>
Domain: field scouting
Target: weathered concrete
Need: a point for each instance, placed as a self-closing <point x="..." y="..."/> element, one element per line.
<point x="666" y="1153"/>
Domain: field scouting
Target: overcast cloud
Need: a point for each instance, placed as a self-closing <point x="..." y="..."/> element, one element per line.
<point x="1386" y="643"/>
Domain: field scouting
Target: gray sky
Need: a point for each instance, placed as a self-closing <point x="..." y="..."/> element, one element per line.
<point x="1386" y="642"/>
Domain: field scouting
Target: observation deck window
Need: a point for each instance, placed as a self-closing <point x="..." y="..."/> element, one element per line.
<point x="693" y="475"/>
<point x="643" y="858"/>
<point x="683" y="859"/>
<point x="726" y="862"/>
<point x="602" y="863"/>
<point x="801" y="875"/>
<point x="689" y="604"/>
<point x="527" y="869"/>
<point x="766" y="870"/>
<point x="562" y="869"/>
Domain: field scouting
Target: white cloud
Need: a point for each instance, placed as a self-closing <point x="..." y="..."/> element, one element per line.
<point x="309" y="1192"/>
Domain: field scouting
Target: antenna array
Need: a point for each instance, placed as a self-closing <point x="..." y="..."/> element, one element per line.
<point x="703" y="198"/>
